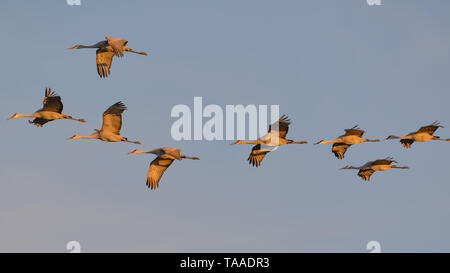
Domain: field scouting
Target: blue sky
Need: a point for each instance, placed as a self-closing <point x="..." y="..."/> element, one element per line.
<point x="328" y="64"/>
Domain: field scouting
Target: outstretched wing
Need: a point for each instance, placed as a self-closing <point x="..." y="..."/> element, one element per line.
<point x="407" y="143"/>
<point x="39" y="122"/>
<point x="384" y="161"/>
<point x="157" y="168"/>
<point x="339" y="149"/>
<point x="112" y="118"/>
<point x="174" y="152"/>
<point x="117" y="45"/>
<point x="365" y="173"/>
<point x="354" y="131"/>
<point x="430" y="129"/>
<point x="104" y="61"/>
<point x="257" y="155"/>
<point x="52" y="102"/>
<point x="283" y="126"/>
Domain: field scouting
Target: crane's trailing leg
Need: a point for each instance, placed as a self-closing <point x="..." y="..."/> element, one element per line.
<point x="190" y="157"/>
<point x="298" y="142"/>
<point x="137" y="52"/>
<point x="76" y="119"/>
<point x="135" y="142"/>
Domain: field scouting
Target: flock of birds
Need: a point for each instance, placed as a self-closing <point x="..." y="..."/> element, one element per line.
<point x="352" y="136"/>
<point x="276" y="136"/>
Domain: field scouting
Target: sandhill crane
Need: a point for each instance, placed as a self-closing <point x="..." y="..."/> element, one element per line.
<point x="165" y="157"/>
<point x="112" y="123"/>
<point x="351" y="137"/>
<point x="366" y="170"/>
<point x="107" y="49"/>
<point x="275" y="137"/>
<point x="424" y="134"/>
<point x="52" y="110"/>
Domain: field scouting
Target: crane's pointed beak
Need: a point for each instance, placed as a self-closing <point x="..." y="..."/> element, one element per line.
<point x="13" y="116"/>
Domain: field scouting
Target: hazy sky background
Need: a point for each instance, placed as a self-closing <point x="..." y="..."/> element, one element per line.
<point x="328" y="64"/>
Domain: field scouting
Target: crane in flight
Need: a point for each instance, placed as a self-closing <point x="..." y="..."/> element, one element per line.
<point x="275" y="137"/>
<point x="165" y="157"/>
<point x="112" y="123"/>
<point x="424" y="134"/>
<point x="106" y="50"/>
<point x="351" y="137"/>
<point x="366" y="170"/>
<point x="51" y="110"/>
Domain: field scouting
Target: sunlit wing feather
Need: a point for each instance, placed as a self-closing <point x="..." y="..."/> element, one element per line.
<point x="365" y="173"/>
<point x="112" y="118"/>
<point x="174" y="152"/>
<point x="257" y="155"/>
<point x="355" y="131"/>
<point x="429" y="129"/>
<point x="339" y="149"/>
<point x="104" y="61"/>
<point x="117" y="45"/>
<point x="384" y="161"/>
<point x="39" y="121"/>
<point x="283" y="126"/>
<point x="52" y="102"/>
<point x="157" y="168"/>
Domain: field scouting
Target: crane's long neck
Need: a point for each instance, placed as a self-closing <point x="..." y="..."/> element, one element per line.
<point x="247" y="142"/>
<point x="329" y="141"/>
<point x="154" y="151"/>
<point x="97" y="45"/>
<point x="350" y="167"/>
<point x="18" y="115"/>
<point x="90" y="136"/>
<point x="141" y="152"/>
<point x="94" y="135"/>
<point x="397" y="137"/>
